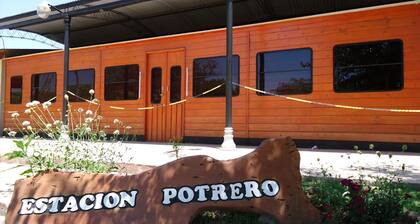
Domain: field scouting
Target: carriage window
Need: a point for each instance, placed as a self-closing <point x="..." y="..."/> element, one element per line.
<point x="16" y="90"/>
<point x="175" y="84"/>
<point x="80" y="82"/>
<point x="371" y="66"/>
<point x="43" y="87"/>
<point x="122" y="82"/>
<point x="211" y="72"/>
<point x="156" y="90"/>
<point x="285" y="72"/>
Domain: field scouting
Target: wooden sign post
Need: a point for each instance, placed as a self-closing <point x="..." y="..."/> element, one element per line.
<point x="266" y="181"/>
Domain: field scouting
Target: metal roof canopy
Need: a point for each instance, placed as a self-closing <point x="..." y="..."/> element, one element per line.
<point x="105" y="21"/>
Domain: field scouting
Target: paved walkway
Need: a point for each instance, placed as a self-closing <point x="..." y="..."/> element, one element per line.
<point x="313" y="162"/>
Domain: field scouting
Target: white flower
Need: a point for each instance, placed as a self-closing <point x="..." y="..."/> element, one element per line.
<point x="12" y="134"/>
<point x="48" y="126"/>
<point x="89" y="112"/>
<point x="371" y="146"/>
<point x="91" y="92"/>
<point x="26" y="123"/>
<point x="57" y="122"/>
<point x="107" y="126"/>
<point x="36" y="154"/>
<point x="116" y="132"/>
<point x="35" y="103"/>
<point x="29" y="104"/>
<point x="128" y="127"/>
<point x="80" y="110"/>
<point x="102" y="134"/>
<point x="88" y="130"/>
<point x="15" y="115"/>
<point x="47" y="104"/>
<point x="99" y="117"/>
<point x="66" y="97"/>
<point x="28" y="111"/>
<point x="116" y="121"/>
<point x="29" y="128"/>
<point x="88" y="120"/>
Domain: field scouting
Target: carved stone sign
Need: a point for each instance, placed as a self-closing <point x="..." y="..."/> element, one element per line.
<point x="266" y="181"/>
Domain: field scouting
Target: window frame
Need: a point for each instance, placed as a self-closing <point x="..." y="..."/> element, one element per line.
<point x="363" y="43"/>
<point x="55" y="85"/>
<point x="21" y="89"/>
<point x="94" y="82"/>
<point x="211" y="57"/>
<point x="257" y="80"/>
<point x="138" y="82"/>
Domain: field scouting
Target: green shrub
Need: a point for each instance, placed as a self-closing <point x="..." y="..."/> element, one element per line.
<point x="81" y="146"/>
<point x="365" y="198"/>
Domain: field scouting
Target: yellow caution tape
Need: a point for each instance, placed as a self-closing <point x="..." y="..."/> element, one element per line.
<point x="117" y="108"/>
<point x="145" y="108"/>
<point x="175" y="103"/>
<point x="328" y="104"/>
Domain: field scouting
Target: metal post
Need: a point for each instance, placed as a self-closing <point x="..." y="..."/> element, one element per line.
<point x="67" y="20"/>
<point x="228" y="142"/>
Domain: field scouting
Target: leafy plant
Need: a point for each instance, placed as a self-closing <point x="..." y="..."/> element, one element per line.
<point x="362" y="199"/>
<point x="81" y="146"/>
<point x="176" y="146"/>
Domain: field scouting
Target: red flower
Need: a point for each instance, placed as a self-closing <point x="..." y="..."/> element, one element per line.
<point x="329" y="216"/>
<point x="358" y="200"/>
<point x="346" y="182"/>
<point x="356" y="187"/>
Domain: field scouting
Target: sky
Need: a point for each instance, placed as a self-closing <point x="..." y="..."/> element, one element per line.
<point x="14" y="7"/>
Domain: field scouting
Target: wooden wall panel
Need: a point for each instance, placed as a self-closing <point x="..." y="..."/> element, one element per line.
<point x="266" y="116"/>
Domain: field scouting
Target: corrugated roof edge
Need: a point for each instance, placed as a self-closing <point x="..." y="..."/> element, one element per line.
<point x="414" y="2"/>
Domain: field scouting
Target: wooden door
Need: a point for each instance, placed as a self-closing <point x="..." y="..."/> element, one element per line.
<point x="166" y="88"/>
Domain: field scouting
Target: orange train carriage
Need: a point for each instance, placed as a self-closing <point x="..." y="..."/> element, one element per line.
<point x="358" y="58"/>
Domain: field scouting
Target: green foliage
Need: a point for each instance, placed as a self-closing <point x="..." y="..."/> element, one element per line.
<point x="81" y="146"/>
<point x="374" y="195"/>
<point x="229" y="217"/>
<point x="347" y="201"/>
<point x="176" y="146"/>
<point x="326" y="194"/>
<point x="413" y="199"/>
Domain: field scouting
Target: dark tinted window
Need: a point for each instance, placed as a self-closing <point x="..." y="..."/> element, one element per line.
<point x="80" y="82"/>
<point x="43" y="87"/>
<point x="122" y="82"/>
<point x="372" y="66"/>
<point x="175" y="84"/>
<point x="211" y="72"/>
<point x="16" y="90"/>
<point x="285" y="72"/>
<point x="156" y="90"/>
